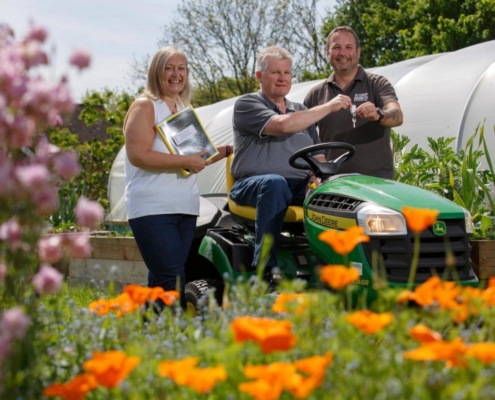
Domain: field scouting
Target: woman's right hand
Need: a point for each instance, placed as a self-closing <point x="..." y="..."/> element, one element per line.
<point x="196" y="163"/>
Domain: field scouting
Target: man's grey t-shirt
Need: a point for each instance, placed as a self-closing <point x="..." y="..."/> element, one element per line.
<point x="258" y="154"/>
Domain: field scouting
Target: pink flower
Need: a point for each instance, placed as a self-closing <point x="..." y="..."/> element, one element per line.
<point x="48" y="279"/>
<point x="45" y="150"/>
<point x="80" y="58"/>
<point x="50" y="248"/>
<point x="37" y="33"/>
<point x="11" y="233"/>
<point x="46" y="200"/>
<point x="14" y="323"/>
<point x="79" y="245"/>
<point x="67" y="164"/>
<point x="88" y="213"/>
<point x="32" y="177"/>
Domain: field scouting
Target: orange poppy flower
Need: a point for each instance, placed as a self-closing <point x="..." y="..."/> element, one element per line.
<point x="100" y="307"/>
<point x="370" y="322"/>
<point x="75" y="389"/>
<point x="183" y="372"/>
<point x="423" y="334"/>
<point x="450" y="352"/>
<point x="298" y="301"/>
<point x="111" y="368"/>
<point x="343" y="242"/>
<point x="418" y="219"/>
<point x="139" y="294"/>
<point x="338" y="276"/>
<point x="301" y="387"/>
<point x="261" y="389"/>
<point x="488" y="295"/>
<point x="270" y="334"/>
<point x="178" y="370"/>
<point x="283" y="375"/>
<point x="485" y="352"/>
<point x="168" y="296"/>
<point x="315" y="365"/>
<point x="123" y="304"/>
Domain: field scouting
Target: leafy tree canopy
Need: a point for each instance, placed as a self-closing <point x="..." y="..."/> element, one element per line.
<point x="393" y="30"/>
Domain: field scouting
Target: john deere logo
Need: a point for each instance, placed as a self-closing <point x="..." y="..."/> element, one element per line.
<point x="439" y="228"/>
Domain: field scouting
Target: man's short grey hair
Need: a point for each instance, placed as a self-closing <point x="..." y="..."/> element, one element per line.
<point x="271" y="52"/>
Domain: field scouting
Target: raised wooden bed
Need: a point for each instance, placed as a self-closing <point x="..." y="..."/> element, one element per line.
<point x="483" y="257"/>
<point x="118" y="260"/>
<point x="113" y="259"/>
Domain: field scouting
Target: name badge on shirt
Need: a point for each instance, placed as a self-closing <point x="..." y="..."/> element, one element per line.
<point x="361" y="97"/>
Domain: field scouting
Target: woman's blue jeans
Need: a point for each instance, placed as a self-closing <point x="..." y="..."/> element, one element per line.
<point x="271" y="195"/>
<point x="164" y="242"/>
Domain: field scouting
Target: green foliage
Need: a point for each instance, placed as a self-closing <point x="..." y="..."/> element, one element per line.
<point x="364" y="366"/>
<point x="96" y="157"/>
<point x="455" y="175"/>
<point x="393" y="30"/>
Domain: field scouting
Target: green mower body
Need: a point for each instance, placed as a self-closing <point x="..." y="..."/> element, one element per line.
<point x="347" y="200"/>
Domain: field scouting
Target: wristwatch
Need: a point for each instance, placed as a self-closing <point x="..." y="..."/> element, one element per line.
<point x="381" y="115"/>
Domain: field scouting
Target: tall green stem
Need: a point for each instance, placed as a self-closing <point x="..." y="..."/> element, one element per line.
<point x="414" y="264"/>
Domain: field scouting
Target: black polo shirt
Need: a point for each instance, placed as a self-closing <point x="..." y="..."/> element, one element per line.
<point x="374" y="154"/>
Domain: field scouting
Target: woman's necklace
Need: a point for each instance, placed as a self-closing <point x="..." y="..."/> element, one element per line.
<point x="172" y="106"/>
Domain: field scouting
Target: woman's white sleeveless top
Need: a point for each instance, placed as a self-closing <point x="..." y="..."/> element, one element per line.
<point x="153" y="193"/>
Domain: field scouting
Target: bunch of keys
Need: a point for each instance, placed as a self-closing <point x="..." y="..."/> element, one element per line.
<point x="353" y="112"/>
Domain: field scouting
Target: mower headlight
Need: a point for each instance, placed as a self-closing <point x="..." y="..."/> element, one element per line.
<point x="469" y="221"/>
<point x="377" y="220"/>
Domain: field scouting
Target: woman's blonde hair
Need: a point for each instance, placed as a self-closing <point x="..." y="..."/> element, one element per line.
<point x="154" y="82"/>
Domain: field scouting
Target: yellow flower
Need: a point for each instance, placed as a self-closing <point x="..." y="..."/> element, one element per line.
<point x="338" y="276"/>
<point x="111" y="367"/>
<point x="344" y="242"/>
<point x="369" y="322"/>
<point x="418" y="219"/>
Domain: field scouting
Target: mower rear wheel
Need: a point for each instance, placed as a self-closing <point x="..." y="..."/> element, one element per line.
<point x="197" y="290"/>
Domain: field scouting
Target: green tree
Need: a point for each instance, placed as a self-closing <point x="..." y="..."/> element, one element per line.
<point x="95" y="156"/>
<point x="222" y="39"/>
<point x="393" y="30"/>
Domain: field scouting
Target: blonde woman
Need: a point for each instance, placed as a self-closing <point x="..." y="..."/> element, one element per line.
<point x="162" y="205"/>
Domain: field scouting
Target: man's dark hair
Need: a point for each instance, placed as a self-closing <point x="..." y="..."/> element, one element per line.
<point x="344" y="29"/>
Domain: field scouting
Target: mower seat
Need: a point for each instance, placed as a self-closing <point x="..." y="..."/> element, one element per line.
<point x="243" y="214"/>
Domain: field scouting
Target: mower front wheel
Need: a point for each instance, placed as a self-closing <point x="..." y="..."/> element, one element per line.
<point x="196" y="292"/>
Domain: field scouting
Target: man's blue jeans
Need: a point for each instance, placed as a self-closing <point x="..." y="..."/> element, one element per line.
<point x="271" y="195"/>
<point x="164" y="242"/>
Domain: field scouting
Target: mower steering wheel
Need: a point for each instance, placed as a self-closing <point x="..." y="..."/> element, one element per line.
<point x="322" y="169"/>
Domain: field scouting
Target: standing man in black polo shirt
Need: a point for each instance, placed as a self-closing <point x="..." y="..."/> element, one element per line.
<point x="367" y="125"/>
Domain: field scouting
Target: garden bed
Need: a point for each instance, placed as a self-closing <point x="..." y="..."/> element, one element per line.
<point x="113" y="259"/>
<point x="118" y="260"/>
<point x="483" y="257"/>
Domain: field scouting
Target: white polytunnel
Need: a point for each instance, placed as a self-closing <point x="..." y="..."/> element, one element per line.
<point x="441" y="95"/>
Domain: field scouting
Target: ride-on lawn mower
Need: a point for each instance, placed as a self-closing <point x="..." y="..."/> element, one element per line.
<point x="340" y="202"/>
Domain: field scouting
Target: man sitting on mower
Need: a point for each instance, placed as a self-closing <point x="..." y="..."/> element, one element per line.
<point x="268" y="129"/>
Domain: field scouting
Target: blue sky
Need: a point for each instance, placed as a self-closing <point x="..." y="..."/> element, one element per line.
<point x="113" y="31"/>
